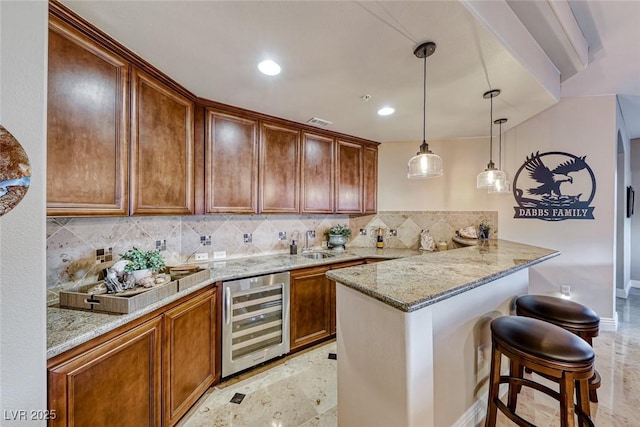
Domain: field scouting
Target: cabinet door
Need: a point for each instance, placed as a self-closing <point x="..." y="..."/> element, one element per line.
<point x="116" y="382"/>
<point x="317" y="172"/>
<point x="161" y="148"/>
<point x="231" y="171"/>
<point x="349" y="177"/>
<point x="279" y="169"/>
<point x="370" y="176"/>
<point x="332" y="286"/>
<point x="310" y="306"/>
<point x="189" y="354"/>
<point x="87" y="126"/>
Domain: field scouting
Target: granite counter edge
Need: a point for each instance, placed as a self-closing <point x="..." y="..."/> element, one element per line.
<point x="433" y="299"/>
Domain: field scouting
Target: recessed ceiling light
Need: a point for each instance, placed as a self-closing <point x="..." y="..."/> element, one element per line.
<point x="385" y="111"/>
<point x="269" y="67"/>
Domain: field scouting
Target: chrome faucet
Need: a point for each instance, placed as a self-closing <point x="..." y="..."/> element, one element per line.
<point x="309" y="233"/>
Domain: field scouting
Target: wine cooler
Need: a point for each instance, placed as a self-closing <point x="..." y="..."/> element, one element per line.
<point x="255" y="318"/>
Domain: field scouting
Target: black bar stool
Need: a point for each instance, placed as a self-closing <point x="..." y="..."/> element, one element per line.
<point x="546" y="349"/>
<point x="569" y="315"/>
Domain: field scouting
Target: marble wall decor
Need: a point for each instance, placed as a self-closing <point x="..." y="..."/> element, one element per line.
<point x="15" y="171"/>
<point x="79" y="248"/>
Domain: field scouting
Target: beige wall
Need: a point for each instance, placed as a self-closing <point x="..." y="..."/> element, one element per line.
<point x="23" y="47"/>
<point x="623" y="224"/>
<point x="580" y="126"/>
<point x="463" y="159"/>
<point x="635" y="219"/>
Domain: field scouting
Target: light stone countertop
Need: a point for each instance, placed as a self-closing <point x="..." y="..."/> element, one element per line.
<point x="67" y="328"/>
<point x="410" y="284"/>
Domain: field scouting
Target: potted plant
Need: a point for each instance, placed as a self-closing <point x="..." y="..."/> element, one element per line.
<point x="483" y="229"/>
<point x="142" y="263"/>
<point x="338" y="236"/>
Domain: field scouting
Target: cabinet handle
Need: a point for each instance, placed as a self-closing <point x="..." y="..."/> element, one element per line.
<point x="227" y="305"/>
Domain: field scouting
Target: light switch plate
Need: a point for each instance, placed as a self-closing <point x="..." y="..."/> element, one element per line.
<point x="219" y="254"/>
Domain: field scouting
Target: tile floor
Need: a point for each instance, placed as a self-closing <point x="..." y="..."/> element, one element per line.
<point x="301" y="390"/>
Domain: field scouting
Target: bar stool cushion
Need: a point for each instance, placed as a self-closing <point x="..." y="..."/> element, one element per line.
<point x="542" y="339"/>
<point x="546" y="307"/>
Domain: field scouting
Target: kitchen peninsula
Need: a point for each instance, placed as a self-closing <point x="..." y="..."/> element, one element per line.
<point x="413" y="334"/>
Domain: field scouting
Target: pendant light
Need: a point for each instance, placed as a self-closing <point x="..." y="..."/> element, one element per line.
<point x="425" y="164"/>
<point x="500" y="186"/>
<point x="487" y="177"/>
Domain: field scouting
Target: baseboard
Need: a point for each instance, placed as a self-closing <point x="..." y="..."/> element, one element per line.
<point x="478" y="410"/>
<point x="473" y="415"/>
<point x="624" y="293"/>
<point x="609" y="324"/>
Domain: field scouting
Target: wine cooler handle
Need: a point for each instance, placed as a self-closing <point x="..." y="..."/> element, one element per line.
<point x="227" y="305"/>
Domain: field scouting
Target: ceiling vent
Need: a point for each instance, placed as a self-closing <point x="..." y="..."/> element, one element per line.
<point x="319" y="122"/>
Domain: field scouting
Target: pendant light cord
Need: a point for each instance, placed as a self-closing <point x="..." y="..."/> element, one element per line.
<point x="500" y="149"/>
<point x="424" y="102"/>
<point x="491" y="132"/>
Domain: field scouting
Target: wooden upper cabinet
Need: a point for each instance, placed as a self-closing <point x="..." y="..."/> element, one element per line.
<point x="162" y="150"/>
<point x="349" y="177"/>
<point x="87" y="126"/>
<point x="317" y="174"/>
<point x="91" y="389"/>
<point x="370" y="177"/>
<point x="279" y="181"/>
<point x="231" y="163"/>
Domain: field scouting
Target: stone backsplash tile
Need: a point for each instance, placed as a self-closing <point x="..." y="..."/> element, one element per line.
<point x="72" y="242"/>
<point x="442" y="225"/>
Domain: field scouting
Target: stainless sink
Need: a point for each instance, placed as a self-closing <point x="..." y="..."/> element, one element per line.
<point x="317" y="255"/>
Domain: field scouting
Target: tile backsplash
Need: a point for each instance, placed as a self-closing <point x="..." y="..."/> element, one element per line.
<point x="78" y="248"/>
<point x="401" y="229"/>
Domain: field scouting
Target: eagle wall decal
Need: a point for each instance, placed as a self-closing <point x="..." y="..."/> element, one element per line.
<point x="555" y="191"/>
<point x="552" y="179"/>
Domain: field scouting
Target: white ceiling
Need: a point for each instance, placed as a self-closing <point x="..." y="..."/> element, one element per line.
<point x="334" y="52"/>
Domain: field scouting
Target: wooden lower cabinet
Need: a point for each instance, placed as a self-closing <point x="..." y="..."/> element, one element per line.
<point x="310" y="306"/>
<point x="313" y="304"/>
<point x="150" y="374"/>
<point x="189" y="354"/>
<point x="116" y="383"/>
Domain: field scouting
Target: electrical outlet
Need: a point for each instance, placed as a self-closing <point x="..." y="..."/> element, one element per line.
<point x="202" y="256"/>
<point x="220" y="255"/>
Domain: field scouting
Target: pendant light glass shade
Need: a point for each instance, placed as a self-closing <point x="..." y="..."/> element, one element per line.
<point x="500" y="186"/>
<point x="425" y="164"/>
<point x="490" y="175"/>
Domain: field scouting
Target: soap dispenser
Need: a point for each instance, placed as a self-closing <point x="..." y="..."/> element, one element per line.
<point x="293" y="248"/>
